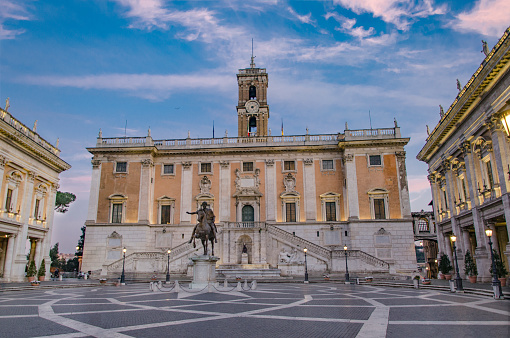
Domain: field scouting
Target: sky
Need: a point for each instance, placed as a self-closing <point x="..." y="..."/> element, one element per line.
<point x="125" y="66"/>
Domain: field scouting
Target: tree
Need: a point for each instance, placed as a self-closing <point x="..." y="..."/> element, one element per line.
<point x="444" y="265"/>
<point x="54" y="256"/>
<point x="42" y="269"/>
<point x="32" y="270"/>
<point x="81" y="241"/>
<point x="500" y="265"/>
<point x="469" y="265"/>
<point x="63" y="200"/>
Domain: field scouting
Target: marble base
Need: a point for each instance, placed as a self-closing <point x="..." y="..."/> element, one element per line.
<point x="204" y="271"/>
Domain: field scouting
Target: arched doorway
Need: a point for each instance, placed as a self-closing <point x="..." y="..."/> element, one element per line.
<point x="248" y="214"/>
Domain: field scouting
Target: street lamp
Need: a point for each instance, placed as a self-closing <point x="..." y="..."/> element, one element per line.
<point x="347" y="281"/>
<point x="122" y="277"/>
<point x="168" y="267"/>
<point x="496" y="284"/>
<point x="458" y="280"/>
<point x="306" y="267"/>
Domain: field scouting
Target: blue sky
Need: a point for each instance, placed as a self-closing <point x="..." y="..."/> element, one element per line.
<point x="77" y="66"/>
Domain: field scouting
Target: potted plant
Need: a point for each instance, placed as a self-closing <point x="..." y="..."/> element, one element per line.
<point x="445" y="266"/>
<point x="31" y="271"/>
<point x="500" y="268"/>
<point x="326" y="277"/>
<point x="102" y="281"/>
<point x="42" y="271"/>
<point x="470" y="267"/>
<point x="35" y="283"/>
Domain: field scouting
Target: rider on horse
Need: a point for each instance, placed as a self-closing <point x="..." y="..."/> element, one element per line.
<point x="207" y="216"/>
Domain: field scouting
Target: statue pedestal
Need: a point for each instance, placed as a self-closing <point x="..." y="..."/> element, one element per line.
<point x="244" y="258"/>
<point x="204" y="271"/>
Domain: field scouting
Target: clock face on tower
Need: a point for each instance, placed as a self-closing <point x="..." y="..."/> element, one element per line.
<point x="252" y="106"/>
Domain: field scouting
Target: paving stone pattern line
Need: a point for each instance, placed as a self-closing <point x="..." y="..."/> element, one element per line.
<point x="273" y="311"/>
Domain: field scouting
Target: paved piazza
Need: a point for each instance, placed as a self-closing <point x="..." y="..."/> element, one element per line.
<point x="271" y="310"/>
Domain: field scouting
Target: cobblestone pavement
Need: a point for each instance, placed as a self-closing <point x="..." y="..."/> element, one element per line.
<point x="271" y="310"/>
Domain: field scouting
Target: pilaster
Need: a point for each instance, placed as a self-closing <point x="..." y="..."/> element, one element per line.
<point x="405" y="204"/>
<point x="270" y="191"/>
<point x="145" y="194"/>
<point x="186" y="196"/>
<point x="309" y="189"/>
<point x="94" y="191"/>
<point x="352" y="185"/>
<point x="224" y="200"/>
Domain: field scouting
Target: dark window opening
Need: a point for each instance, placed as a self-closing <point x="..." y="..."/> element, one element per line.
<point x="489" y="174"/>
<point x="289" y="165"/>
<point x="290" y="212"/>
<point x="253" y="93"/>
<point x="121" y="167"/>
<point x="327" y="164"/>
<point x="247" y="166"/>
<point x="330" y="211"/>
<point x="252" y="126"/>
<point x="317" y="234"/>
<point x="375" y="159"/>
<point x="248" y="213"/>
<point x="168" y="169"/>
<point x="423" y="225"/>
<point x="117" y="213"/>
<point x="379" y="212"/>
<point x="8" y="200"/>
<point x="36" y="209"/>
<point x="165" y="214"/>
<point x="205" y="167"/>
<point x="346" y="233"/>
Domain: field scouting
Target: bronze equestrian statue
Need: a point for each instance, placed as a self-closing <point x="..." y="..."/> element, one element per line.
<point x="205" y="228"/>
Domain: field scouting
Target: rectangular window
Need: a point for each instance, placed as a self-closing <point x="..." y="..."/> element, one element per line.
<point x="36" y="209"/>
<point x="8" y="200"/>
<point x="289" y="165"/>
<point x="330" y="211"/>
<point x="247" y="166"/>
<point x="379" y="211"/>
<point x="327" y="164"/>
<point x="375" y="159"/>
<point x="168" y="169"/>
<point x="121" y="167"/>
<point x="318" y="234"/>
<point x="445" y="200"/>
<point x="464" y="189"/>
<point x="205" y="168"/>
<point x="117" y="213"/>
<point x="165" y="214"/>
<point x="290" y="212"/>
<point x="489" y="174"/>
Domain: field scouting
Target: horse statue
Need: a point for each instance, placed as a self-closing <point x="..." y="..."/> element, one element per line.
<point x="205" y="228"/>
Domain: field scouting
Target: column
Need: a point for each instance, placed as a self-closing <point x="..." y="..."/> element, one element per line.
<point x="450" y="191"/>
<point x="256" y="247"/>
<point x="352" y="185"/>
<point x="224" y="199"/>
<point x="309" y="190"/>
<point x="9" y="258"/>
<point x="145" y="200"/>
<point x="94" y="192"/>
<point x="470" y="174"/>
<point x="46" y="241"/>
<point x="405" y="204"/>
<point x="270" y="191"/>
<point x="186" y="185"/>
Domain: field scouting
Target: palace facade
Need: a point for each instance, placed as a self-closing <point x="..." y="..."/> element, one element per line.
<point x="468" y="154"/>
<point x="276" y="195"/>
<point x="29" y="168"/>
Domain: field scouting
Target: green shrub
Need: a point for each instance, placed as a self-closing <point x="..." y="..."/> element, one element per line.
<point x="469" y="265"/>
<point x="444" y="265"/>
<point x="500" y="265"/>
<point x="42" y="269"/>
<point x="32" y="270"/>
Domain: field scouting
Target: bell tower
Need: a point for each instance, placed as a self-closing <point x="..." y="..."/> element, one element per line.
<point x="252" y="108"/>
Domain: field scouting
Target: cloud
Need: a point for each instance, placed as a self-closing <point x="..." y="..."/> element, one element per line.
<point x="150" y="86"/>
<point x="303" y="18"/>
<point x="199" y="23"/>
<point x="10" y="10"/>
<point x="347" y="26"/>
<point x="488" y="17"/>
<point x="398" y="12"/>
<point x="418" y="183"/>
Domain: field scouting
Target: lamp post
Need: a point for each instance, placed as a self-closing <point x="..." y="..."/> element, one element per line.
<point x="458" y="280"/>
<point x="168" y="267"/>
<point x="306" y="267"/>
<point x="496" y="284"/>
<point x="347" y="281"/>
<point x="122" y="277"/>
<point x="435" y="267"/>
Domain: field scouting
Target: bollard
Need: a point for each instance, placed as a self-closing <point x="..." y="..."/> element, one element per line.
<point x="245" y="284"/>
<point x="238" y="287"/>
<point x="151" y="287"/>
<point x="210" y="287"/>
<point x="225" y="283"/>
<point x="160" y="285"/>
<point x="452" y="285"/>
<point x="60" y="278"/>
<point x="85" y="277"/>
<point x="254" y="284"/>
<point x="416" y="283"/>
<point x="177" y="287"/>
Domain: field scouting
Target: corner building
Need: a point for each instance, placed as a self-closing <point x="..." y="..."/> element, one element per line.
<point x="468" y="154"/>
<point x="29" y="170"/>
<point x="275" y="194"/>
